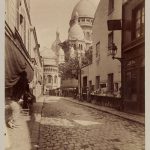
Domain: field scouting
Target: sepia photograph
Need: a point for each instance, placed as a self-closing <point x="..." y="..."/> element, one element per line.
<point x="74" y="75"/>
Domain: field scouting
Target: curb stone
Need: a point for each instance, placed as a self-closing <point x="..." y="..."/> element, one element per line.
<point x="136" y="118"/>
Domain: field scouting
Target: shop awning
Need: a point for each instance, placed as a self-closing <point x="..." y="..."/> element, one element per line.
<point x="15" y="62"/>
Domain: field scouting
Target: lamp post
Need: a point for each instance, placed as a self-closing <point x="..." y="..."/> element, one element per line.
<point x="79" y="75"/>
<point x="113" y="52"/>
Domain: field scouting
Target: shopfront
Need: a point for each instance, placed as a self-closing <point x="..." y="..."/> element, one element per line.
<point x="134" y="76"/>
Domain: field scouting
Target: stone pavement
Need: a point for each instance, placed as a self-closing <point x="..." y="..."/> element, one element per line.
<point x="69" y="126"/>
<point x="64" y="123"/>
<point x="132" y="117"/>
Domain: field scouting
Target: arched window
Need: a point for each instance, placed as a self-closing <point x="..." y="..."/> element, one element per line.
<point x="81" y="47"/>
<point x="55" y="79"/>
<point x="49" y="78"/>
<point x="74" y="46"/>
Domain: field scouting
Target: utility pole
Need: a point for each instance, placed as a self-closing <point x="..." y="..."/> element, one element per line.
<point x="79" y="75"/>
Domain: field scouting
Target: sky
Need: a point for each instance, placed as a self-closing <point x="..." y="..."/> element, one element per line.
<point x="50" y="15"/>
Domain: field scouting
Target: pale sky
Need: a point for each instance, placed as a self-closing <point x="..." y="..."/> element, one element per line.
<point x="48" y="15"/>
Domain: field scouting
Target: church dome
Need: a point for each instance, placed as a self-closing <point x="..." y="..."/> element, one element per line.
<point x="75" y="31"/>
<point x="85" y="8"/>
<point x="48" y="53"/>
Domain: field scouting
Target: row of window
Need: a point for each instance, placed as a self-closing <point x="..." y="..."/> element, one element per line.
<point x="50" y="70"/>
<point x="80" y="46"/>
<point x="86" y="20"/>
<point x="110" y="85"/>
<point x="50" y="79"/>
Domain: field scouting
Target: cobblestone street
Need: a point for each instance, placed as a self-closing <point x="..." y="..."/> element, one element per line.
<point x="69" y="126"/>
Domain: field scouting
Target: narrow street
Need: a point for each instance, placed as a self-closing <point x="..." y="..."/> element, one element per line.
<point x="74" y="75"/>
<point x="69" y="126"/>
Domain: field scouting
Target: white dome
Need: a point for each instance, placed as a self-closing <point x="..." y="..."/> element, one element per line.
<point x="85" y="8"/>
<point x="48" y="53"/>
<point x="75" y="31"/>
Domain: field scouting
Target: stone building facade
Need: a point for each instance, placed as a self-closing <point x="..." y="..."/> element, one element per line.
<point x="19" y="47"/>
<point x="104" y="74"/>
<point x="80" y="33"/>
<point x="52" y="57"/>
<point x="133" y="52"/>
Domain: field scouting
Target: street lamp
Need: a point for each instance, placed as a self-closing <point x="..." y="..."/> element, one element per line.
<point x="79" y="75"/>
<point x="113" y="52"/>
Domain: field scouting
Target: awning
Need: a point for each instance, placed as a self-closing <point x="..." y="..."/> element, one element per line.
<point x="15" y="62"/>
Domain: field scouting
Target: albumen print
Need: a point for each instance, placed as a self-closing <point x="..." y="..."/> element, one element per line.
<point x="74" y="75"/>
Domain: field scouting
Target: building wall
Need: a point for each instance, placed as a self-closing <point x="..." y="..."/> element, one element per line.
<point x="13" y="10"/>
<point x="103" y="64"/>
<point x="18" y="22"/>
<point x="11" y="13"/>
<point x="51" y="70"/>
<point x="128" y="7"/>
<point x="134" y="57"/>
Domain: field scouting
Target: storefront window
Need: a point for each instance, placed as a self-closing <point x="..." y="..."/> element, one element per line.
<point x="131" y="85"/>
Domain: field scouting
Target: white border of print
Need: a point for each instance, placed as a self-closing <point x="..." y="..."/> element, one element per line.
<point x="147" y="74"/>
<point x="2" y="2"/>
